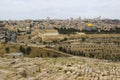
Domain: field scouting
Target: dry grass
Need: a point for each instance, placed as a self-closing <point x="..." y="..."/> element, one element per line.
<point x="35" y="51"/>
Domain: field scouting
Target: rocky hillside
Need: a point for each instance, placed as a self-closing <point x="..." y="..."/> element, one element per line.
<point x="72" y="68"/>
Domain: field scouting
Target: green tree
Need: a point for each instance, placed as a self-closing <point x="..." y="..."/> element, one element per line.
<point x="28" y="50"/>
<point x="22" y="49"/>
<point x="7" y="49"/>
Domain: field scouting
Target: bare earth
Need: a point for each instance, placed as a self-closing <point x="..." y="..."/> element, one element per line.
<point x="72" y="68"/>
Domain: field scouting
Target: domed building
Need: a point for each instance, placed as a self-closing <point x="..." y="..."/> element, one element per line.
<point x="90" y="27"/>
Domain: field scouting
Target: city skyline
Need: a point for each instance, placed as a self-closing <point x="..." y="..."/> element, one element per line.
<point x="58" y="9"/>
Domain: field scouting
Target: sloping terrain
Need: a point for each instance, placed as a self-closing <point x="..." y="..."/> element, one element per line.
<point x="31" y="52"/>
<point x="72" y="68"/>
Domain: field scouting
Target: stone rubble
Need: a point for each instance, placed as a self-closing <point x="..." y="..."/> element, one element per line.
<point x="72" y="68"/>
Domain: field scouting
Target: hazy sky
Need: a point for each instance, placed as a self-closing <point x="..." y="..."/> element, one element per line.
<point x="59" y="9"/>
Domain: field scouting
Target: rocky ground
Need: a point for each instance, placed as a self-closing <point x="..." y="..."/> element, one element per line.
<point x="72" y="68"/>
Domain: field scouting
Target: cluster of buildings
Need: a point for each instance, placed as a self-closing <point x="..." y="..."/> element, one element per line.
<point x="6" y="36"/>
<point x="27" y="26"/>
<point x="50" y="27"/>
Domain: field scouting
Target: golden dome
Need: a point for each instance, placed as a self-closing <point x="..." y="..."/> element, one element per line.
<point x="89" y="24"/>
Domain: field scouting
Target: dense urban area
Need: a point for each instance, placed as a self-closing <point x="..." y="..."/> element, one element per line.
<point x="54" y="49"/>
<point x="95" y="38"/>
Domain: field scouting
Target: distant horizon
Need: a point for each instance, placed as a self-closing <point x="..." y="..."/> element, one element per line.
<point x="58" y="9"/>
<point x="58" y="18"/>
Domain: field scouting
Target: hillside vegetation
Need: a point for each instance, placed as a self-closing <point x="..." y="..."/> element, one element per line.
<point x="28" y="51"/>
<point x="100" y="46"/>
